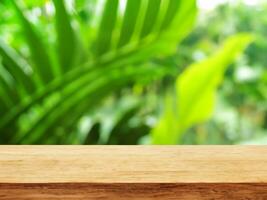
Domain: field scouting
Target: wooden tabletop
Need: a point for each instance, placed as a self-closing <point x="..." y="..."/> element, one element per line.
<point x="165" y="170"/>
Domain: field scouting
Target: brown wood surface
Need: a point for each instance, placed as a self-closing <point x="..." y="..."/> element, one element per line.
<point x="133" y="172"/>
<point x="133" y="191"/>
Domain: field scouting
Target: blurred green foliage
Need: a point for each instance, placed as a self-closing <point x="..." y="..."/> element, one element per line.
<point x="108" y="71"/>
<point x="196" y="91"/>
<point x="240" y="115"/>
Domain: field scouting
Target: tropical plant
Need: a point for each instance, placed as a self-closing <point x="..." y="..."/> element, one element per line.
<point x="195" y="92"/>
<point x="56" y="74"/>
<point x="240" y="112"/>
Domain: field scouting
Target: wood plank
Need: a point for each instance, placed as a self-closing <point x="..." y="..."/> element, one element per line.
<point x="133" y="172"/>
<point x="133" y="191"/>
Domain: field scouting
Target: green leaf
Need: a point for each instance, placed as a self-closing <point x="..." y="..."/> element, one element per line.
<point x="173" y="6"/>
<point x="129" y="23"/>
<point x="7" y="96"/>
<point x="66" y="40"/>
<point x="42" y="65"/>
<point x="151" y="17"/>
<point x="165" y="131"/>
<point x="196" y="90"/>
<point x="107" y="25"/>
<point x="15" y="64"/>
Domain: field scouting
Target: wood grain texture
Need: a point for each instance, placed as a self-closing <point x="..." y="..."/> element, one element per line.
<point x="133" y="172"/>
<point x="133" y="191"/>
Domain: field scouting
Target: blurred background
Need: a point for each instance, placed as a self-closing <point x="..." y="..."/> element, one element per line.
<point x="133" y="72"/>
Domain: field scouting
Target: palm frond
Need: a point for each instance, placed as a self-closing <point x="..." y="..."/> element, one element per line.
<point x="125" y="39"/>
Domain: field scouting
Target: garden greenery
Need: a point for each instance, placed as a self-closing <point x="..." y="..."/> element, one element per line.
<point x="69" y="57"/>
